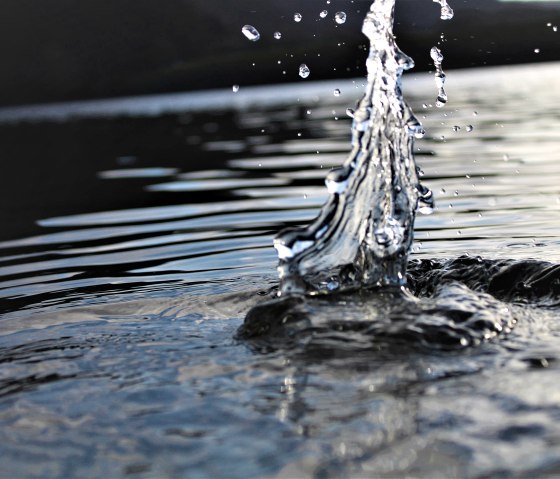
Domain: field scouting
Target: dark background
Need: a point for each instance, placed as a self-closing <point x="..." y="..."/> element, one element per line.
<point x="56" y="50"/>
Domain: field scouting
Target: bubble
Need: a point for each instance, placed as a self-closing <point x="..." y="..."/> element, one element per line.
<point x="277" y="35"/>
<point x="297" y="17"/>
<point x="304" y="71"/>
<point x="251" y="33"/>
<point x="340" y="17"/>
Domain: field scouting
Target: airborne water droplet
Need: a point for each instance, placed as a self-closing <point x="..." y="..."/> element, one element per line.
<point x="235" y="88"/>
<point x="297" y="17"/>
<point x="340" y="17"/>
<point x="251" y="33"/>
<point x="304" y="71"/>
<point x="469" y="128"/>
<point x="277" y="35"/>
<point x="337" y="92"/>
<point x="323" y="14"/>
<point x="446" y="10"/>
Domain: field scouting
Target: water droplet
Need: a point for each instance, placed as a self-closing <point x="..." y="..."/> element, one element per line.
<point x="436" y="55"/>
<point x="304" y="71"/>
<point x="337" y="92"/>
<point x="297" y="17"/>
<point x="340" y="18"/>
<point x="251" y="33"/>
<point x="323" y="14"/>
<point x="235" y="88"/>
<point x="469" y="128"/>
<point x="446" y="11"/>
<point x="537" y="50"/>
<point x="456" y="128"/>
<point x="475" y="113"/>
<point x="350" y="112"/>
<point x="554" y="28"/>
<point x="277" y="35"/>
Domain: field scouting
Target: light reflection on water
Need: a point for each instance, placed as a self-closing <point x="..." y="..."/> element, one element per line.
<point x="117" y="328"/>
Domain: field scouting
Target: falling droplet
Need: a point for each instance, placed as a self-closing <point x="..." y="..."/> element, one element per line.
<point x="446" y="10"/>
<point x="350" y="112"/>
<point x="337" y="92"/>
<point x="469" y="128"/>
<point x="304" y="71"/>
<point x="297" y="17"/>
<point x="537" y="50"/>
<point x="323" y="14"/>
<point x="340" y="17"/>
<point x="235" y="88"/>
<point x="437" y="57"/>
<point x="251" y="33"/>
<point x="277" y="35"/>
<point x="456" y="128"/>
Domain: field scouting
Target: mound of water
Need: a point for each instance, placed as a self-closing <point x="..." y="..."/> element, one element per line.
<point x="449" y="304"/>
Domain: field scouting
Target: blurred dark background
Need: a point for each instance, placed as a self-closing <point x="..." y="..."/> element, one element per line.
<point x="57" y="50"/>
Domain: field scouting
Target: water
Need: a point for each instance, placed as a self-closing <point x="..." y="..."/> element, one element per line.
<point x="364" y="232"/>
<point x="137" y="236"/>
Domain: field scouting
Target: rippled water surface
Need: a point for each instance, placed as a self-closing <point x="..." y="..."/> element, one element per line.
<point x="137" y="235"/>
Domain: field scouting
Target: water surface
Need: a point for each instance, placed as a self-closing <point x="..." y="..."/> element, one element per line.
<point x="137" y="235"/>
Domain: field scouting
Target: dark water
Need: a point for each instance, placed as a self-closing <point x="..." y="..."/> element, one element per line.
<point x="137" y="236"/>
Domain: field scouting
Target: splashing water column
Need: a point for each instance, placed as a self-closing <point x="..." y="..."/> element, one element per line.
<point x="364" y="232"/>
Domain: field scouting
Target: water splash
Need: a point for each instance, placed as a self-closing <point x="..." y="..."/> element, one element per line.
<point x="364" y="232"/>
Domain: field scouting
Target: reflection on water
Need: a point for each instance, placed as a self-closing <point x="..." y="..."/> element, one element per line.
<point x="153" y="239"/>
